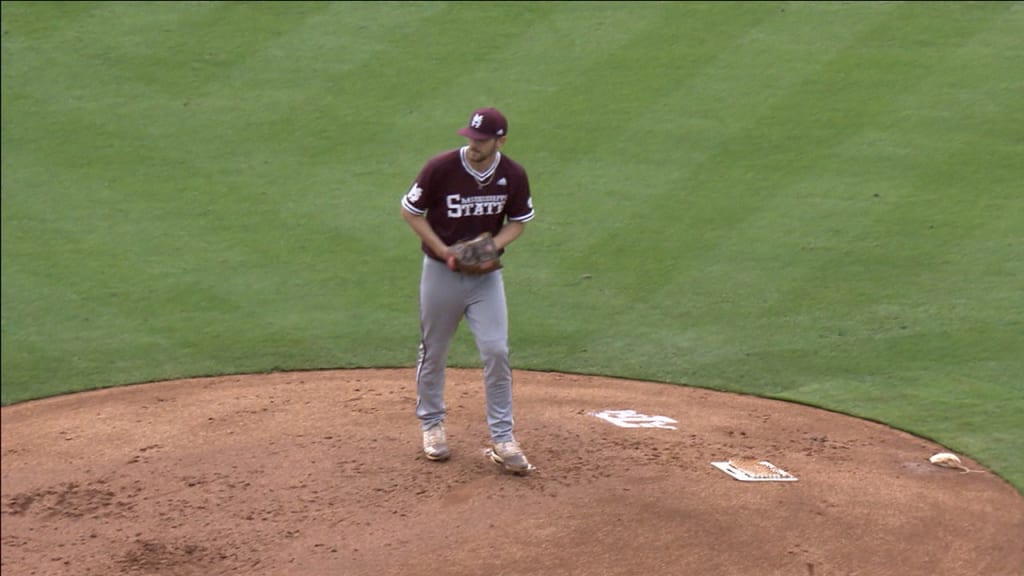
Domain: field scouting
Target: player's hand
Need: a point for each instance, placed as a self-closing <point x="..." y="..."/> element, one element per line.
<point x="479" y="255"/>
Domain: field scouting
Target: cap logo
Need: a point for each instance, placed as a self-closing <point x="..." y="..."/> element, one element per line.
<point x="477" y="121"/>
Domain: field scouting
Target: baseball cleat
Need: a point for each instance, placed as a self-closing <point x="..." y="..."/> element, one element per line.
<point x="510" y="456"/>
<point x="435" y="443"/>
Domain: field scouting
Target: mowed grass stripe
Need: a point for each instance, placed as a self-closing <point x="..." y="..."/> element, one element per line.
<point x="657" y="204"/>
<point x="735" y="162"/>
<point x="114" y="268"/>
<point x="744" y="238"/>
<point x="846" y="224"/>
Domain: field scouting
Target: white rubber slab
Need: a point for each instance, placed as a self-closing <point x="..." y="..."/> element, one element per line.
<point x="775" y="473"/>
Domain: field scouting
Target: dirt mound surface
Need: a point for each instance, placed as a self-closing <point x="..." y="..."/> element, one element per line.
<point x="319" y="473"/>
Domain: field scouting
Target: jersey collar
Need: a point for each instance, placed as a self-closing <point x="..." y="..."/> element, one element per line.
<point x="473" y="172"/>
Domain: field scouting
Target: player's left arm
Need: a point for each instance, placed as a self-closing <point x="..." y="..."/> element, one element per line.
<point x="519" y="211"/>
<point x="509" y="232"/>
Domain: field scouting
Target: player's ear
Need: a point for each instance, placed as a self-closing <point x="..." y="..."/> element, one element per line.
<point x="501" y="141"/>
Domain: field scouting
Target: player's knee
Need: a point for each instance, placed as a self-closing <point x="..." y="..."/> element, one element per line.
<point x="492" y="349"/>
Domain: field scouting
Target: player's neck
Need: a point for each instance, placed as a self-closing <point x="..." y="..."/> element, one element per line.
<point x="482" y="167"/>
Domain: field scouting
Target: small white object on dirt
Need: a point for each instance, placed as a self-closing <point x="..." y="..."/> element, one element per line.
<point x="950" y="460"/>
<point x="946" y="460"/>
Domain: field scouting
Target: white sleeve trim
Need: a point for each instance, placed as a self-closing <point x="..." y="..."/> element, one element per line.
<point x="410" y="208"/>
<point x="525" y="218"/>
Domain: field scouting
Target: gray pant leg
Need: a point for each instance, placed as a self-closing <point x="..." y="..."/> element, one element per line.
<point x="442" y="304"/>
<point x="487" y="319"/>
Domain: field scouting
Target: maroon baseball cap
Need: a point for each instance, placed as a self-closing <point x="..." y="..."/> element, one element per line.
<point x="484" y="124"/>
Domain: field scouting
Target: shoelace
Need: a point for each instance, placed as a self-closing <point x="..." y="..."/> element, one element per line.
<point x="508" y="449"/>
<point x="435" y="435"/>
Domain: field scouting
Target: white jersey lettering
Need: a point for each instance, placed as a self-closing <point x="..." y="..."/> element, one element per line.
<point x="459" y="207"/>
<point x="454" y="206"/>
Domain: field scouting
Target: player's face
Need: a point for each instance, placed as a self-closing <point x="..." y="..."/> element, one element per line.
<point x="483" y="150"/>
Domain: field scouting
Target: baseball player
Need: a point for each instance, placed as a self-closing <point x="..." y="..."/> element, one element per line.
<point x="458" y="195"/>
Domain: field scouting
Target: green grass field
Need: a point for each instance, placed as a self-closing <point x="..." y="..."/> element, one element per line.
<point x="820" y="202"/>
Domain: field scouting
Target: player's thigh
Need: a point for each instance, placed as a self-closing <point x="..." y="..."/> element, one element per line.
<point x="487" y="312"/>
<point x="442" y="299"/>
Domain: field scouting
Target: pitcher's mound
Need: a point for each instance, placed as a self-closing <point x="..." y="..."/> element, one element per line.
<point x="320" y="473"/>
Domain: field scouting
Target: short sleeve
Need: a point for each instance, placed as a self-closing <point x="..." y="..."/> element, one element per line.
<point x="520" y="204"/>
<point x="416" y="199"/>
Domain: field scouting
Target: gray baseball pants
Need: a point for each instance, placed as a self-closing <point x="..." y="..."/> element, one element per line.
<point x="445" y="298"/>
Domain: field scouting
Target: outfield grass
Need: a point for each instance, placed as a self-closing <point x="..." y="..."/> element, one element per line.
<point x="819" y="202"/>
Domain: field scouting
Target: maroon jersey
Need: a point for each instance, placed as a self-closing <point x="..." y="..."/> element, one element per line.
<point x="460" y="203"/>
